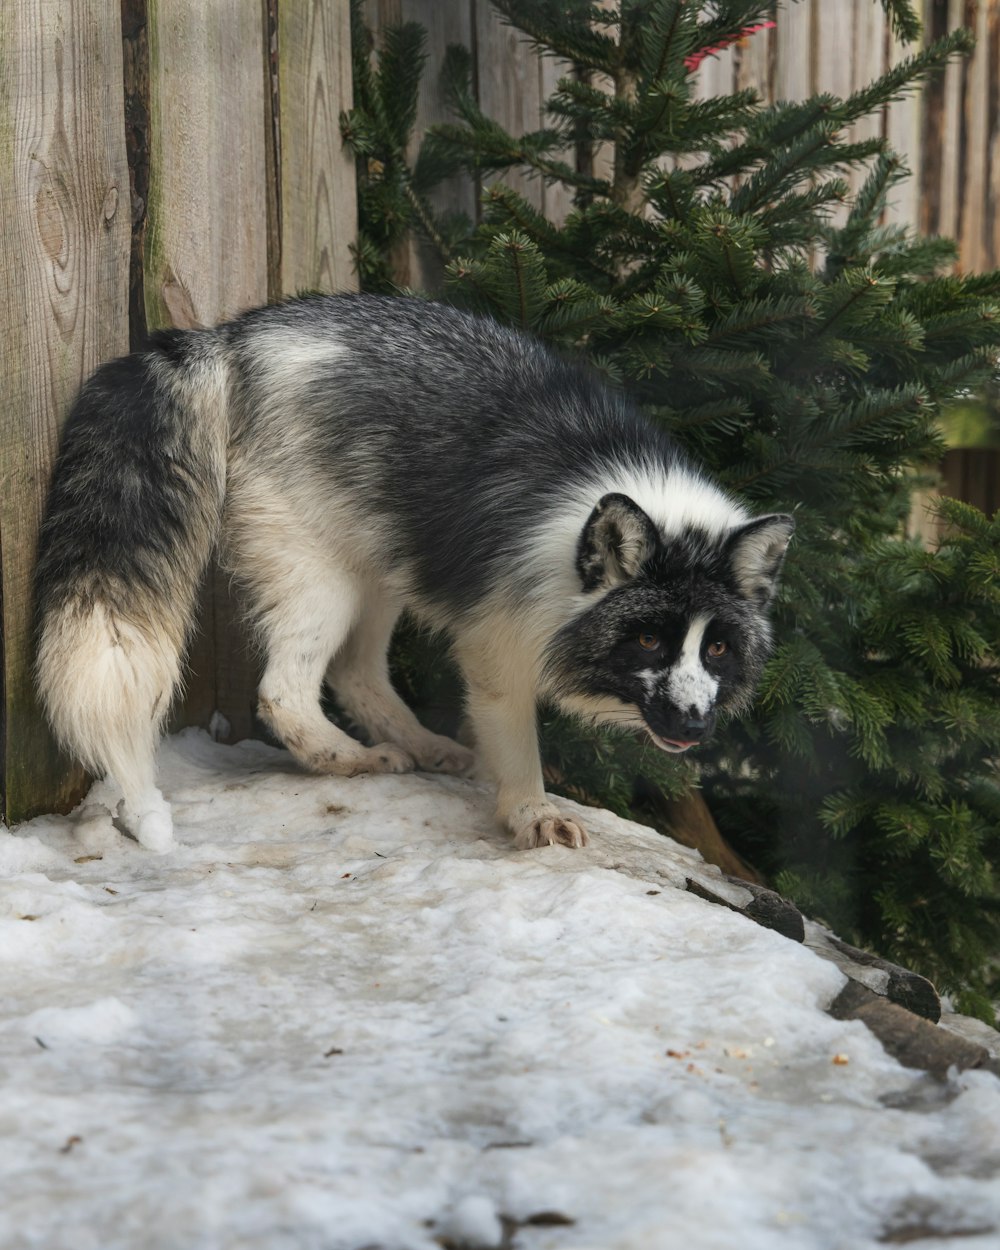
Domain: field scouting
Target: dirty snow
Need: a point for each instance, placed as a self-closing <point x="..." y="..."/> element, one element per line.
<point x="346" y="1014"/>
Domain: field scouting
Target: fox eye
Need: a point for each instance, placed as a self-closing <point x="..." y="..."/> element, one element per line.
<point x="715" y="649"/>
<point x="648" y="641"/>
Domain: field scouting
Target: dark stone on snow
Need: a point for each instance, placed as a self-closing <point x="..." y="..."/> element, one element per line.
<point x="908" y="989"/>
<point x="765" y="907"/>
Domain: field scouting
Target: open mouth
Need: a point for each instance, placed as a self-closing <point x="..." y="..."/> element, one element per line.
<point x="676" y="746"/>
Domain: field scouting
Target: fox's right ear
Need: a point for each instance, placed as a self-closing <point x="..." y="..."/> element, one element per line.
<point x="616" y="540"/>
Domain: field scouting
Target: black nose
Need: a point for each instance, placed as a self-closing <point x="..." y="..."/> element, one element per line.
<point x="695" y="727"/>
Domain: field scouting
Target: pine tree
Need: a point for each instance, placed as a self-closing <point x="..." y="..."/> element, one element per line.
<point x="804" y="357"/>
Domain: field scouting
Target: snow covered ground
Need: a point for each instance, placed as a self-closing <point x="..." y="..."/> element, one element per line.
<point x="346" y="1014"/>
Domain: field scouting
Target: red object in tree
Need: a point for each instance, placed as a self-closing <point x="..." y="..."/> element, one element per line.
<point x="695" y="59"/>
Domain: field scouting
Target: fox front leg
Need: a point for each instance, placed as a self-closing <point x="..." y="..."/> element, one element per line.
<point x="503" y="718"/>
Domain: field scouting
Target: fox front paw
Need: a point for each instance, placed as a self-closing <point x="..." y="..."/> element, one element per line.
<point x="550" y="830"/>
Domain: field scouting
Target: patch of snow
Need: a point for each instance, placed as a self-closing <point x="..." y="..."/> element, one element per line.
<point x="972" y="1030"/>
<point x="345" y="1014"/>
<point x="474" y="1223"/>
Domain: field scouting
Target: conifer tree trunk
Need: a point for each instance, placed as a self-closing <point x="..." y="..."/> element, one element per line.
<point x="627" y="189"/>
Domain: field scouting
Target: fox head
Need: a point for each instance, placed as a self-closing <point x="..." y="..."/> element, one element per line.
<point x="678" y="631"/>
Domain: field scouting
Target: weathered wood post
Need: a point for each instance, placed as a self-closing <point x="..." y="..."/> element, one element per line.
<point x="209" y="226"/>
<point x="64" y="243"/>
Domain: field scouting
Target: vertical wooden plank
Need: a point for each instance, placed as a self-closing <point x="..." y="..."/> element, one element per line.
<point x="973" y="474"/>
<point x="868" y="59"/>
<point x="992" y="52"/>
<point x="319" y="219"/>
<point x="557" y="199"/>
<point x="753" y="67"/>
<point x="931" y="131"/>
<point x="443" y="24"/>
<point x="447" y="23"/>
<point x="754" y="64"/>
<point x="949" y="194"/>
<point x="135" y="76"/>
<point x="604" y="153"/>
<point x="868" y="62"/>
<point x="206" y="254"/>
<point x="832" y="40"/>
<point x="832" y="45"/>
<point x="974" y="172"/>
<point x="381" y="13"/>
<point x="272" y="146"/>
<point x="64" y="248"/>
<point x="849" y="52"/>
<point x="716" y="75"/>
<point x="509" y="89"/>
<point x="793" y="47"/>
<point x="418" y="265"/>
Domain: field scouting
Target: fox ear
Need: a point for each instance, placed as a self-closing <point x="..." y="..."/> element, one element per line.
<point x="616" y="540"/>
<point x="756" y="553"/>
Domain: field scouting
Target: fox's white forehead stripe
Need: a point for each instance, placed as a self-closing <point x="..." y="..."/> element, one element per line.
<point x="690" y="686"/>
<point x="679" y="499"/>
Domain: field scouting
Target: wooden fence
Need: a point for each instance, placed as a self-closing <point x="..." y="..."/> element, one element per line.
<point x="171" y="162"/>
<point x="162" y="162"/>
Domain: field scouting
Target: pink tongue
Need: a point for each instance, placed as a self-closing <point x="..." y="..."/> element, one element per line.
<point x="674" y="742"/>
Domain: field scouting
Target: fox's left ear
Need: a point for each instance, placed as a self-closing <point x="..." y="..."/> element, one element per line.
<point x="756" y="553"/>
<point x="617" y="539"/>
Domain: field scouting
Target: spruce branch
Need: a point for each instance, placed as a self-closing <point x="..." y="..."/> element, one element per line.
<point x="905" y="76"/>
<point x="568" y="30"/>
<point x="903" y="18"/>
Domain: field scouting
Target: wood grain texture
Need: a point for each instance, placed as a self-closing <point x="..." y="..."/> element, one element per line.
<point x="832" y="69"/>
<point x="557" y="198"/>
<point x="974" y="172"/>
<point x="509" y="90"/>
<point x="446" y="22"/>
<point x="793" y="43"/>
<point x="318" y="200"/>
<point x="991" y="51"/>
<point x="64" y="248"/>
<point x="272" y="146"/>
<point x="716" y="75"/>
<point x="754" y="63"/>
<point x="206" y="255"/>
<point x="951" y="123"/>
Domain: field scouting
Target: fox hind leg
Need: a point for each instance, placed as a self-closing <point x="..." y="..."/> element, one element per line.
<point x="359" y="676"/>
<point x="304" y="612"/>
<point x="107" y="670"/>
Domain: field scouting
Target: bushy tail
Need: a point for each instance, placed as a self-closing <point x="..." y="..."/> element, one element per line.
<point x="134" y="514"/>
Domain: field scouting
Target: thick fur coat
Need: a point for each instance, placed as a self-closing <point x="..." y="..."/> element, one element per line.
<point x="351" y="457"/>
